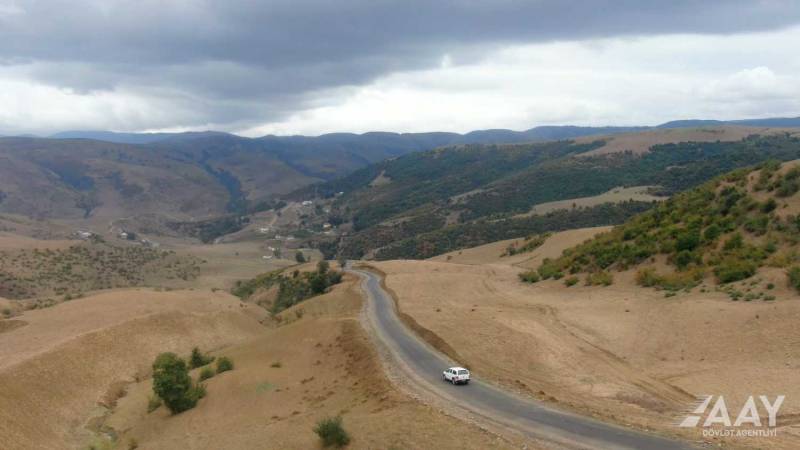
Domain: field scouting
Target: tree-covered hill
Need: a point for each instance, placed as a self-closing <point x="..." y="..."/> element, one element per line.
<point x="408" y="201"/>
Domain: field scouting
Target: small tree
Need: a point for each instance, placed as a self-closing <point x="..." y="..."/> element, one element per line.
<point x="171" y="383"/>
<point x="331" y="432"/>
<point x="299" y="257"/>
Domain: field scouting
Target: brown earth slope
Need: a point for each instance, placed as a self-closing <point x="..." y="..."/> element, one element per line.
<point x="78" y="374"/>
<point x="623" y="353"/>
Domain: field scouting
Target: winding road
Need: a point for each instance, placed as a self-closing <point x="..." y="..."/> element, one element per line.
<point x="424" y="366"/>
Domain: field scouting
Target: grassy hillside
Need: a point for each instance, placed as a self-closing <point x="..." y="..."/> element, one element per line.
<point x="455" y="188"/>
<point x="725" y="230"/>
<point x="63" y="273"/>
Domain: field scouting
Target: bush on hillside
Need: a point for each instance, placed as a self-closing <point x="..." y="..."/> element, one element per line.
<point x="794" y="277"/>
<point x="601" y="278"/>
<point x="734" y="269"/>
<point x="224" y="364"/>
<point x="198" y="359"/>
<point x="292" y="289"/>
<point x="529" y="277"/>
<point x="172" y="384"/>
<point x="648" y="277"/>
<point x="331" y="432"/>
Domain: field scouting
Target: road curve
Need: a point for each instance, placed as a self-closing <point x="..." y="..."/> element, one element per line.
<point x="487" y="401"/>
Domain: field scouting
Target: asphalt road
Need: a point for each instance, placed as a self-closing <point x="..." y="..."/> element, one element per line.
<point x="483" y="400"/>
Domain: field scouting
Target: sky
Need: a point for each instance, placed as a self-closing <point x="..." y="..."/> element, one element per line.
<point x="318" y="66"/>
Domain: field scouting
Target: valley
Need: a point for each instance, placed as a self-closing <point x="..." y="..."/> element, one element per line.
<point x="571" y="293"/>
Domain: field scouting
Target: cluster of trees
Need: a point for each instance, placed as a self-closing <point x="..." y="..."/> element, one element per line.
<point x="292" y="289"/>
<point x="172" y="384"/>
<point x="208" y="230"/>
<point x="480" y="232"/>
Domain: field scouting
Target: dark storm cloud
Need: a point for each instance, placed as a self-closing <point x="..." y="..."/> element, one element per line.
<point x="248" y="61"/>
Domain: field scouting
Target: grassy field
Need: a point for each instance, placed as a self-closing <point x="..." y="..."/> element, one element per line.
<point x="615" y="195"/>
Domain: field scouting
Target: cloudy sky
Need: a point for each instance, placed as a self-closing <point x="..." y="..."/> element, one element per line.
<point x="316" y="66"/>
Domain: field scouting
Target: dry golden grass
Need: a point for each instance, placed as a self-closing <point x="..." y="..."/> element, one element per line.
<point x="641" y="142"/>
<point x="616" y="195"/>
<point x="81" y="369"/>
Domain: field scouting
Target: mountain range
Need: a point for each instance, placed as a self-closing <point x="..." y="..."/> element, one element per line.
<point x="426" y="140"/>
<point x="100" y="176"/>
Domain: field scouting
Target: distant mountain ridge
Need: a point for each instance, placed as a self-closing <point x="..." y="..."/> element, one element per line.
<point x="428" y="139"/>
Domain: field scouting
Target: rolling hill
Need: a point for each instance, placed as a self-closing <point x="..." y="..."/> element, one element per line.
<point x="456" y="197"/>
<point x="204" y="183"/>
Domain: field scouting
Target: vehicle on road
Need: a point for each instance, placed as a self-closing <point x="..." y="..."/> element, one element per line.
<point x="456" y="375"/>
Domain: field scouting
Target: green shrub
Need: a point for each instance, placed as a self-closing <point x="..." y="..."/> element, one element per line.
<point x="529" y="277"/>
<point x="206" y="373"/>
<point x="571" y="281"/>
<point x="198" y="359"/>
<point x="331" y="432"/>
<point x="794" y="277"/>
<point x="734" y="269"/>
<point x="549" y="269"/>
<point x="171" y="383"/>
<point x="672" y="282"/>
<point x="712" y="232"/>
<point x="734" y="242"/>
<point x="276" y="365"/>
<point x="224" y="364"/>
<point x="298" y="256"/>
<point x="687" y="241"/>
<point x="787" y="188"/>
<point x="647" y="277"/>
<point x="601" y="278"/>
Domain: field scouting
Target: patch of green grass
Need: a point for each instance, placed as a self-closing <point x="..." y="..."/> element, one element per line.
<point x="264" y="387"/>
